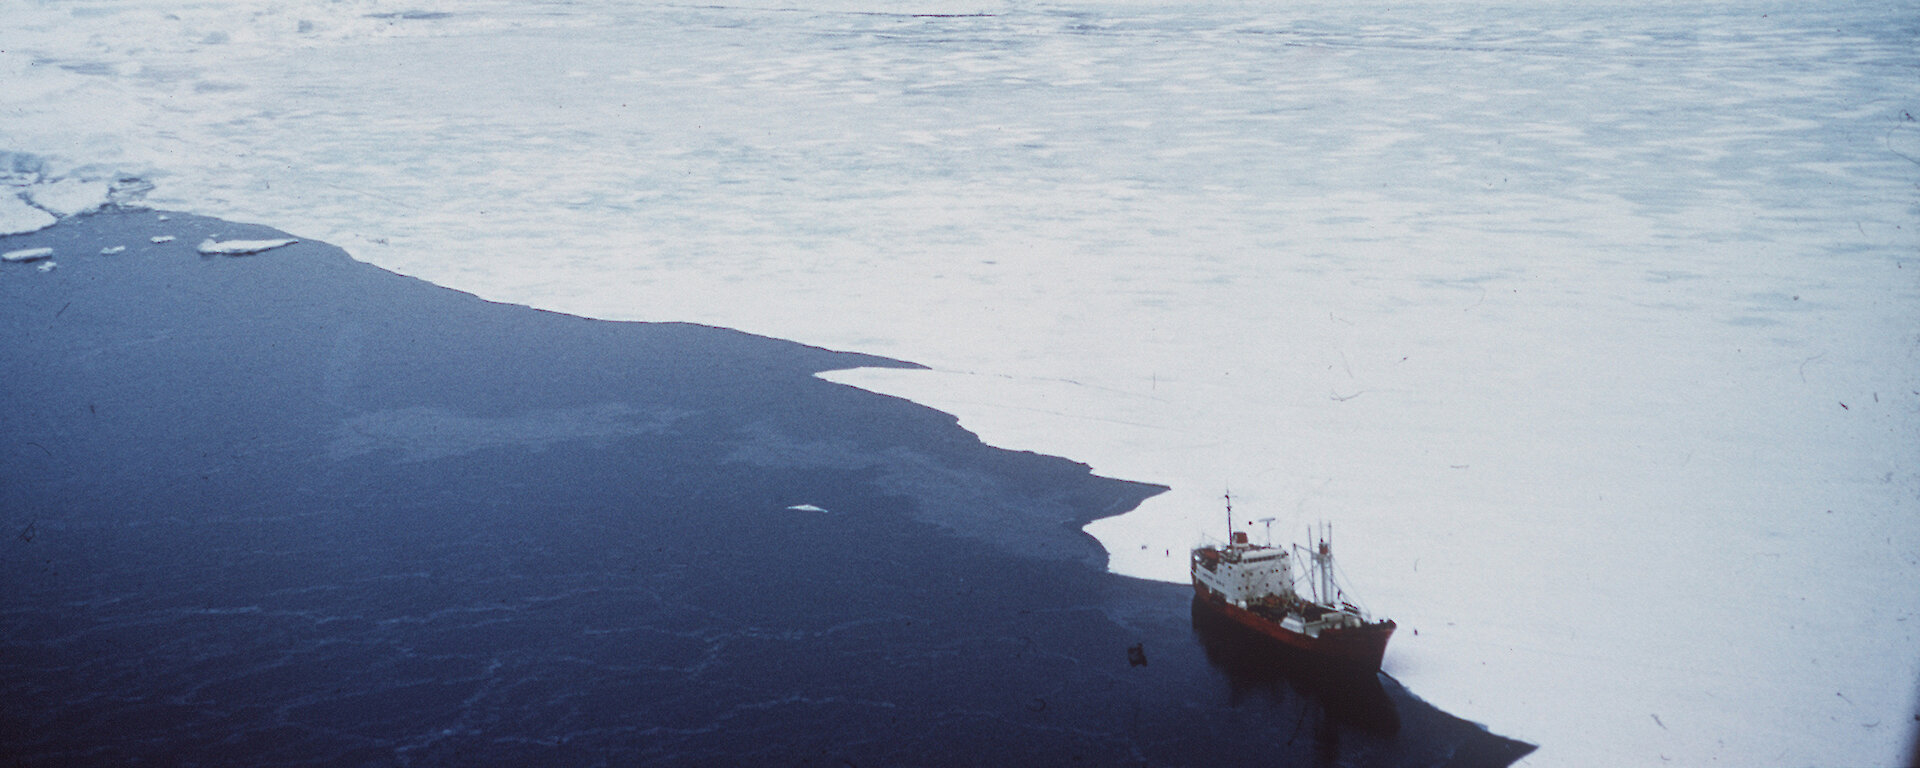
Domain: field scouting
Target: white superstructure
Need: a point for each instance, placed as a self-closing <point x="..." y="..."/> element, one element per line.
<point x="1244" y="574"/>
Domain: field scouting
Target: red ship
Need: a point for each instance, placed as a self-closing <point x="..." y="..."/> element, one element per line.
<point x="1253" y="586"/>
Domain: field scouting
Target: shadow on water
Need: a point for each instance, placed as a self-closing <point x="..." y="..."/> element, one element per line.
<point x="1255" y="666"/>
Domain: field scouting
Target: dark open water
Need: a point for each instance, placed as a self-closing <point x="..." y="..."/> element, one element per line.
<point x="293" y="509"/>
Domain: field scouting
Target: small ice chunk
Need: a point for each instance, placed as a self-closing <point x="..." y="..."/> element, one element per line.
<point x="806" y="508"/>
<point x="163" y="217"/>
<point x="19" y="218"/>
<point x="47" y="266"/>
<point x="241" y="247"/>
<point x="112" y="249"/>
<point x="27" y="254"/>
<point x="69" y="197"/>
<point x="161" y="238"/>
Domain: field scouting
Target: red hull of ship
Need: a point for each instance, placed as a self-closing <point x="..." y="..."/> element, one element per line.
<point x="1357" y="649"/>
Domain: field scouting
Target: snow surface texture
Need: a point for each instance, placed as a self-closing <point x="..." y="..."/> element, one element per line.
<point x="1590" y="327"/>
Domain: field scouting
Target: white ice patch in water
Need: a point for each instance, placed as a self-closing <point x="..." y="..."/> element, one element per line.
<point x="70" y="197"/>
<point x="26" y="254"/>
<point x="241" y="247"/>
<point x="806" y="508"/>
<point x="48" y="266"/>
<point x="161" y="239"/>
<point x="112" y="249"/>
<point x="17" y="217"/>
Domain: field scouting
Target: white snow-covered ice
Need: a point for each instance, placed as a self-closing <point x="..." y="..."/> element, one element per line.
<point x="17" y="216"/>
<point x="68" y="197"/>
<point x="27" y="254"/>
<point x="1593" y="328"/>
<point x="211" y="247"/>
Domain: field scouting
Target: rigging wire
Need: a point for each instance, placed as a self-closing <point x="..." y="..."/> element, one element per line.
<point x="1339" y="577"/>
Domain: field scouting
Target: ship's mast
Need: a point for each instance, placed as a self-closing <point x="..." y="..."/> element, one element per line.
<point x="1323" y="561"/>
<point x="1320" y="564"/>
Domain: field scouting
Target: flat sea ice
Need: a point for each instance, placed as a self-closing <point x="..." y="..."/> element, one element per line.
<point x="69" y="197"/>
<point x="18" y="217"/>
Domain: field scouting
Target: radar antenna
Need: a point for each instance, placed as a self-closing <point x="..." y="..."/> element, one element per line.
<point x="1229" y="516"/>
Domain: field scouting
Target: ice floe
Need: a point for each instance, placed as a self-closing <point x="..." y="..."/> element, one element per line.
<point x="18" y="217"/>
<point x="69" y="197"/>
<point x="47" y="266"/>
<point x="35" y="195"/>
<point x="27" y="254"/>
<point x="112" y="249"/>
<point x="161" y="239"/>
<point x="210" y="247"/>
<point x="806" y="508"/>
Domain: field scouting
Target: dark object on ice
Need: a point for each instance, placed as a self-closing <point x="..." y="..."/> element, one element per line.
<point x="1137" y="655"/>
